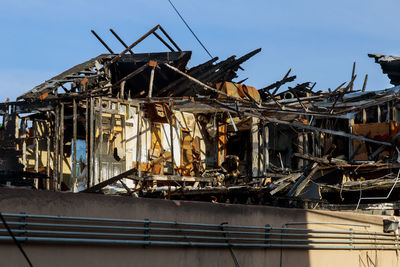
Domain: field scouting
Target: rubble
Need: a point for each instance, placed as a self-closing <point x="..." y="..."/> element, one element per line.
<point x="153" y="127"/>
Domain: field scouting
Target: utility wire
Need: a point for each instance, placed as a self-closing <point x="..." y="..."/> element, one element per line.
<point x="376" y="198"/>
<point x="195" y="36"/>
<point x="15" y="240"/>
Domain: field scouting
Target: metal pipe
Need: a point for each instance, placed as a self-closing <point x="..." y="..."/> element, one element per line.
<point x="207" y="231"/>
<point x="188" y="243"/>
<point x="110" y="227"/>
<point x="331" y="223"/>
<point x="97" y="234"/>
<point x="187" y="237"/>
<point x="36" y="216"/>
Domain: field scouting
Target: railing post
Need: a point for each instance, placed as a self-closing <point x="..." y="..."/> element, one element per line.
<point x="267" y="234"/>
<point x="146" y="230"/>
<point x="22" y="220"/>
<point x="351" y="238"/>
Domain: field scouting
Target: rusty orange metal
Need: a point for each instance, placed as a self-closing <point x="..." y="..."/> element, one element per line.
<point x="152" y="63"/>
<point x="44" y="96"/>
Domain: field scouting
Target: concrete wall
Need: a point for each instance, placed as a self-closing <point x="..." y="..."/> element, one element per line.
<point x="91" y="205"/>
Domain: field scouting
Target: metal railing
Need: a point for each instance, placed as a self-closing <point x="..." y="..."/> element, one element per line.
<point x="83" y="230"/>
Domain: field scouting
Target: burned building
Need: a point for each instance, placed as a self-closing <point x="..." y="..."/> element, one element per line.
<point x="147" y="125"/>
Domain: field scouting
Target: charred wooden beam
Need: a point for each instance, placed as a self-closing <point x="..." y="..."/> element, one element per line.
<point x="278" y="84"/>
<point x="285" y="182"/>
<point x="163" y="41"/>
<point x="116" y="58"/>
<point x="102" y="42"/>
<point x="328" y="131"/>
<point x="331" y="161"/>
<point x="169" y="38"/>
<point x="99" y="186"/>
<point x="302" y="183"/>
<point x="120" y="40"/>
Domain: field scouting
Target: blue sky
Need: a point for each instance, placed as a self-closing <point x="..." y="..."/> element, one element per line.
<point x="319" y="40"/>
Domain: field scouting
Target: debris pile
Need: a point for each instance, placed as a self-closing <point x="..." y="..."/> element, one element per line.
<point x="147" y="125"/>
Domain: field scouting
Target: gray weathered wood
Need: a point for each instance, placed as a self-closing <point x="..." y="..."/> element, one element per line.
<point x="307" y="179"/>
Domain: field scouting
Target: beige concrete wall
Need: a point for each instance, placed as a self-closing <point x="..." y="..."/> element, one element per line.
<point x="92" y="205"/>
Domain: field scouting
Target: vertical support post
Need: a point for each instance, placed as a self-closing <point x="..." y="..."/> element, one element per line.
<point x="48" y="144"/>
<point x="364" y="116"/>
<point x="261" y="146"/>
<point x="151" y="83"/>
<point x="300" y="149"/>
<point x="171" y="132"/>
<point x="123" y="133"/>
<point x="379" y="112"/>
<point x="388" y="112"/>
<point x="152" y="64"/>
<point x="316" y="143"/>
<point x="16" y="129"/>
<point x="23" y="126"/>
<point x="260" y="160"/>
<point x="351" y="148"/>
<point x="139" y="142"/>
<point x="55" y="151"/>
<point x="365" y="83"/>
<point x="74" y="137"/>
<point x="3" y="124"/>
<point x="101" y="137"/>
<point x="92" y="145"/>
<point x="306" y="147"/>
<point x="254" y="147"/>
<point x="266" y="146"/>
<point x="352" y="76"/>
<point x="87" y="117"/>
<point x="222" y="140"/>
<point x="61" y="178"/>
<point x="35" y="135"/>
<point x="36" y="144"/>
<point x="122" y="90"/>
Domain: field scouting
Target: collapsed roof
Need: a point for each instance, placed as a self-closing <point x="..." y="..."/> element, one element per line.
<point x="390" y="65"/>
<point x="257" y="145"/>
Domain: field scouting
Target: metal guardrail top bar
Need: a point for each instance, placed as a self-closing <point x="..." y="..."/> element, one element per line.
<point x="35" y="216"/>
